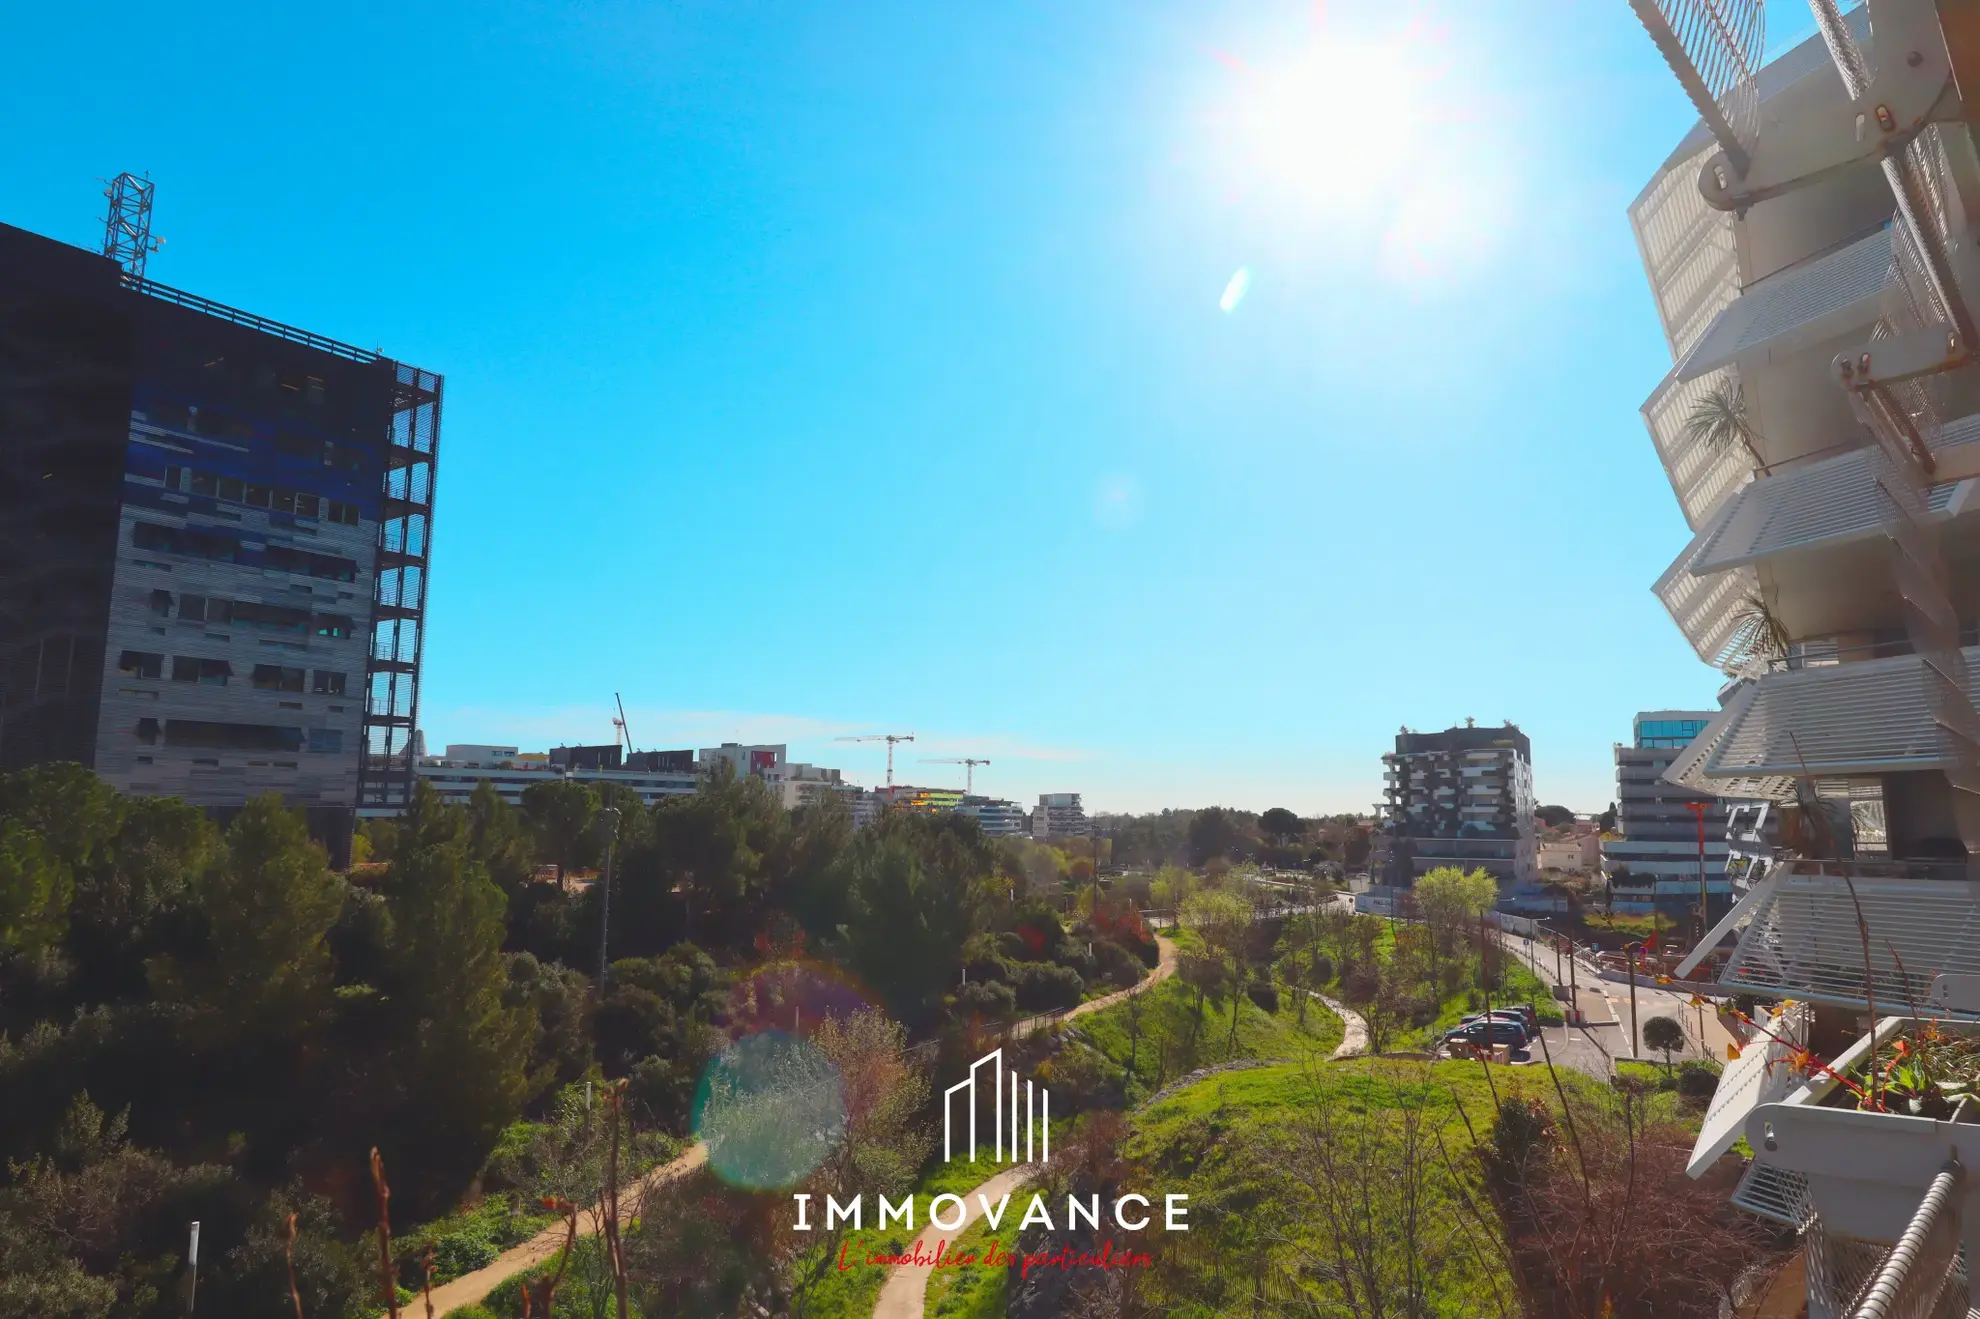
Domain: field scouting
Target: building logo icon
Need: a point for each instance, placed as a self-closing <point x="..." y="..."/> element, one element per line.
<point x="1037" y="1114"/>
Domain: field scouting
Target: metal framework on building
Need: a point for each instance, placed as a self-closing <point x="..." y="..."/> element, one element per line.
<point x="127" y="236"/>
<point x="391" y="698"/>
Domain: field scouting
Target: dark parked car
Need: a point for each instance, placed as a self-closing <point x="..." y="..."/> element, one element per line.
<point x="1527" y="1018"/>
<point x="1497" y="1030"/>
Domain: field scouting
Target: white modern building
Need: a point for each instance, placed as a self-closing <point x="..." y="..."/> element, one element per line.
<point x="1812" y="252"/>
<point x="455" y="775"/>
<point x="1059" y="815"/>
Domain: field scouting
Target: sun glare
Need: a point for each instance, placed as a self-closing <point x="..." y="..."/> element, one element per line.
<point x="1334" y="126"/>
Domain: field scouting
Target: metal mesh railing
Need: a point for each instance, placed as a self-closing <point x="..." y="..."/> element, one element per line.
<point x="1920" y="1277"/>
<point x="1714" y="47"/>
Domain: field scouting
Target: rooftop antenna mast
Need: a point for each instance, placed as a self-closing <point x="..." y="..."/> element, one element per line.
<point x="127" y="236"/>
<point x="969" y="775"/>
<point x="889" y="739"/>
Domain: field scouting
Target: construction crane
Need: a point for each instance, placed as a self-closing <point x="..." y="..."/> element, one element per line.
<point x="889" y="739"/>
<point x="620" y="723"/>
<point x="127" y="228"/>
<point x="969" y="775"/>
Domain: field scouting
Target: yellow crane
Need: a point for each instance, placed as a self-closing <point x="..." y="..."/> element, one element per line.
<point x="889" y="739"/>
<point x="969" y="775"/>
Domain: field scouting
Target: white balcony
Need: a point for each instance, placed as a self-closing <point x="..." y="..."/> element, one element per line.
<point x="1804" y="930"/>
<point x="1795" y="309"/>
<point x="1839" y="720"/>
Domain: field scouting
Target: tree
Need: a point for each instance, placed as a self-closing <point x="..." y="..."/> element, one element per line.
<point x="263" y="965"/>
<point x="1664" y="1034"/>
<point x="1214" y="833"/>
<point x="499" y="838"/>
<point x="1718" y="420"/>
<point x="1221" y="919"/>
<point x="1281" y="825"/>
<point x="563" y="816"/>
<point x="35" y="890"/>
<point x="1554" y="816"/>
<point x="1451" y="901"/>
<point x="907" y="920"/>
<point x="463" y="1045"/>
<point x="1607" y="821"/>
<point x="883" y="1143"/>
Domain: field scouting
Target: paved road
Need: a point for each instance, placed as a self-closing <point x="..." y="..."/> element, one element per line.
<point x="1604" y="1001"/>
<point x="1165" y="966"/>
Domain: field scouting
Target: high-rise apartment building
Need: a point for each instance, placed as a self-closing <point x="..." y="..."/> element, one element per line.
<point x="1059" y="815"/>
<point x="1655" y="864"/>
<point x="1462" y="797"/>
<point x="214" y="532"/>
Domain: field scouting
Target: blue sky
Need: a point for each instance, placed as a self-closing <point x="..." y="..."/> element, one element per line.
<point x="830" y="368"/>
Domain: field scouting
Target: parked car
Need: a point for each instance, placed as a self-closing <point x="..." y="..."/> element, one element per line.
<point x="1484" y="1032"/>
<point x="1528" y="1020"/>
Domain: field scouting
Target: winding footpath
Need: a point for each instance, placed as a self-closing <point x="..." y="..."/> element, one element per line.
<point x="905" y="1293"/>
<point x="472" y="1287"/>
<point x="1354" y="1036"/>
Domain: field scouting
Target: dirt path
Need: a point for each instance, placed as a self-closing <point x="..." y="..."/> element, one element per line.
<point x="1165" y="966"/>
<point x="1354" y="1038"/>
<point x="471" y="1287"/>
<point x="904" y="1294"/>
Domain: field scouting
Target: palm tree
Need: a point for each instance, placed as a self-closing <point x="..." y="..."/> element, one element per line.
<point x="1718" y="419"/>
<point x="1757" y="633"/>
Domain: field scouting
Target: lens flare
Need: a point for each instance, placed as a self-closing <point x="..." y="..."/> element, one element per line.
<point x="769" y="1109"/>
<point x="1240" y="284"/>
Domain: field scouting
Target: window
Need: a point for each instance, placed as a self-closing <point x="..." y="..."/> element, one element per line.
<point x="147" y="731"/>
<point x="344" y="513"/>
<point x="326" y="739"/>
<point x="306" y="506"/>
<point x="142" y="664"/>
<point x="313" y="391"/>
<point x="230" y="488"/>
<point x="175" y="478"/>
<point x="285" y="501"/>
<point x="272" y="616"/>
<point x="332" y="625"/>
<point x="329" y="683"/>
<point x="257" y="495"/>
<point x="161" y="603"/>
<point x="205" y="483"/>
<point x="212" y="672"/>
<point x="173" y="416"/>
<point x="298" y="446"/>
<point x="232" y="737"/>
<point x="275" y="678"/>
<point x="284" y="559"/>
<point x="187" y="541"/>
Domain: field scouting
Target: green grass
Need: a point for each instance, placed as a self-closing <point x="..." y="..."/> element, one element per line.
<point x="851" y="1294"/>
<point x="1168" y="1022"/>
<point x="1195" y="1138"/>
<point x="971" y="1291"/>
<point x="470" y="1239"/>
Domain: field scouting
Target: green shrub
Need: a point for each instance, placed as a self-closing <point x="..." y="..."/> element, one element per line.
<point x="1697" y="1080"/>
<point x="1264" y="993"/>
<point x="1043" y="987"/>
<point x="475" y="1311"/>
<point x="462" y="1252"/>
<point x="990" y="999"/>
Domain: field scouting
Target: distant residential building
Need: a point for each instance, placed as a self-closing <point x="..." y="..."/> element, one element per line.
<point x="1571" y="851"/>
<point x="863" y="803"/>
<point x="1654" y="865"/>
<point x="1000" y="819"/>
<point x="803" y="785"/>
<point x="1059" y="815"/>
<point x="762" y="761"/>
<point x="593" y="757"/>
<point x="1462" y="797"/>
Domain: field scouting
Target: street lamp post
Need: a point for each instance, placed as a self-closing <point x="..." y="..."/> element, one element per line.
<point x="1630" y="950"/>
<point x="1698" y="809"/>
<point x="610" y="817"/>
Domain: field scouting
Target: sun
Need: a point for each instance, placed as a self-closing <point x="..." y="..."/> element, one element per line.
<point x="1334" y="126"/>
